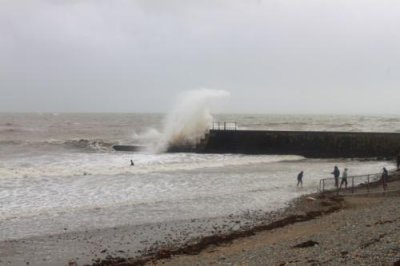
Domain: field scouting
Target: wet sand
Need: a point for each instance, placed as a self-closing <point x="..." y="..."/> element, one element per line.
<point x="132" y="241"/>
<point x="126" y="241"/>
<point x="138" y="244"/>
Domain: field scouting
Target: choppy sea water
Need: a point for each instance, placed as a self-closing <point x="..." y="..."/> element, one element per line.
<point x="59" y="170"/>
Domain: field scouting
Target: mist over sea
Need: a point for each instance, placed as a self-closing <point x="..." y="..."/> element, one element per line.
<point x="59" y="170"/>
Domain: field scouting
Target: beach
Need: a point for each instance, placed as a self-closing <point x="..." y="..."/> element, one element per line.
<point x="135" y="243"/>
<point x="351" y="230"/>
<point x="364" y="232"/>
<point x="325" y="229"/>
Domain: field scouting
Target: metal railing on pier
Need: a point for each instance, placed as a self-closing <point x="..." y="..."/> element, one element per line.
<point x="224" y="126"/>
<point x="359" y="183"/>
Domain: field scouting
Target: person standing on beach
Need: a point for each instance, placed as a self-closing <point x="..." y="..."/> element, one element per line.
<point x="385" y="176"/>
<point x="344" y="179"/>
<point x="300" y="179"/>
<point x="336" y="174"/>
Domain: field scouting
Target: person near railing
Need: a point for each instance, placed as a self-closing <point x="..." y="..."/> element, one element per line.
<point x="336" y="174"/>
<point x="385" y="176"/>
<point x="344" y="179"/>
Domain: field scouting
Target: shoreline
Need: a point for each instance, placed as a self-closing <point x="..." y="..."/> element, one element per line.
<point x="138" y="244"/>
<point x="162" y="241"/>
<point x="303" y="209"/>
<point x="365" y="232"/>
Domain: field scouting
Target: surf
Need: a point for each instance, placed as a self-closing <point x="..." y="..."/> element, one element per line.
<point x="187" y="122"/>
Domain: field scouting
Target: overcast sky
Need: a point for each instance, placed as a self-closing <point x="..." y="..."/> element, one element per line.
<point x="274" y="56"/>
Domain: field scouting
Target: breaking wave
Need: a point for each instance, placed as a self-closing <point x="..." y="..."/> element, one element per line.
<point x="85" y="145"/>
<point x="91" y="145"/>
<point x="188" y="121"/>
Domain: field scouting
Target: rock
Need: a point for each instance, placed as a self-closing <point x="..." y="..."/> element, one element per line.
<point x="307" y="244"/>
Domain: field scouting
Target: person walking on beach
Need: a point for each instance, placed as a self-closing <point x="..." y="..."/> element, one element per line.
<point x="398" y="161"/>
<point x="344" y="179"/>
<point x="132" y="163"/>
<point x="385" y="176"/>
<point x="300" y="179"/>
<point x="336" y="174"/>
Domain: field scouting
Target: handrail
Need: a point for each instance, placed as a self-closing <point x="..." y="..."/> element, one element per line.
<point x="357" y="181"/>
<point x="224" y="125"/>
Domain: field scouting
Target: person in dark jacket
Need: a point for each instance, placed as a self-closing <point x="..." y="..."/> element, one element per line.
<point x="336" y="174"/>
<point x="300" y="179"/>
<point x="385" y="176"/>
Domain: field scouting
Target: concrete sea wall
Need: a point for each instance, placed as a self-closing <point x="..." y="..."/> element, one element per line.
<point x="312" y="144"/>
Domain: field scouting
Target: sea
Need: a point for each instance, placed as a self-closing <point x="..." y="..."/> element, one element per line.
<point x="59" y="170"/>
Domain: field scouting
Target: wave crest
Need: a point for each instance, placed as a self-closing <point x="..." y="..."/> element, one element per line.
<point x="78" y="144"/>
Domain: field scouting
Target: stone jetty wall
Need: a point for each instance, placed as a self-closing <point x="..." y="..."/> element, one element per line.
<point x="312" y="144"/>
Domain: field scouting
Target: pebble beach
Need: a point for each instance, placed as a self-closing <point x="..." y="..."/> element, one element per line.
<point x="315" y="229"/>
<point x="364" y="231"/>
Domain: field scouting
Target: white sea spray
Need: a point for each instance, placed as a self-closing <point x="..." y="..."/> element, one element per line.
<point x="187" y="122"/>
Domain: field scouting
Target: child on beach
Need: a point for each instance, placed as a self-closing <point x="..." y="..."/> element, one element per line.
<point x="344" y="178"/>
<point x="300" y="179"/>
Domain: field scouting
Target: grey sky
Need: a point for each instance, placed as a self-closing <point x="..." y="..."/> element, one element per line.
<point x="299" y="56"/>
